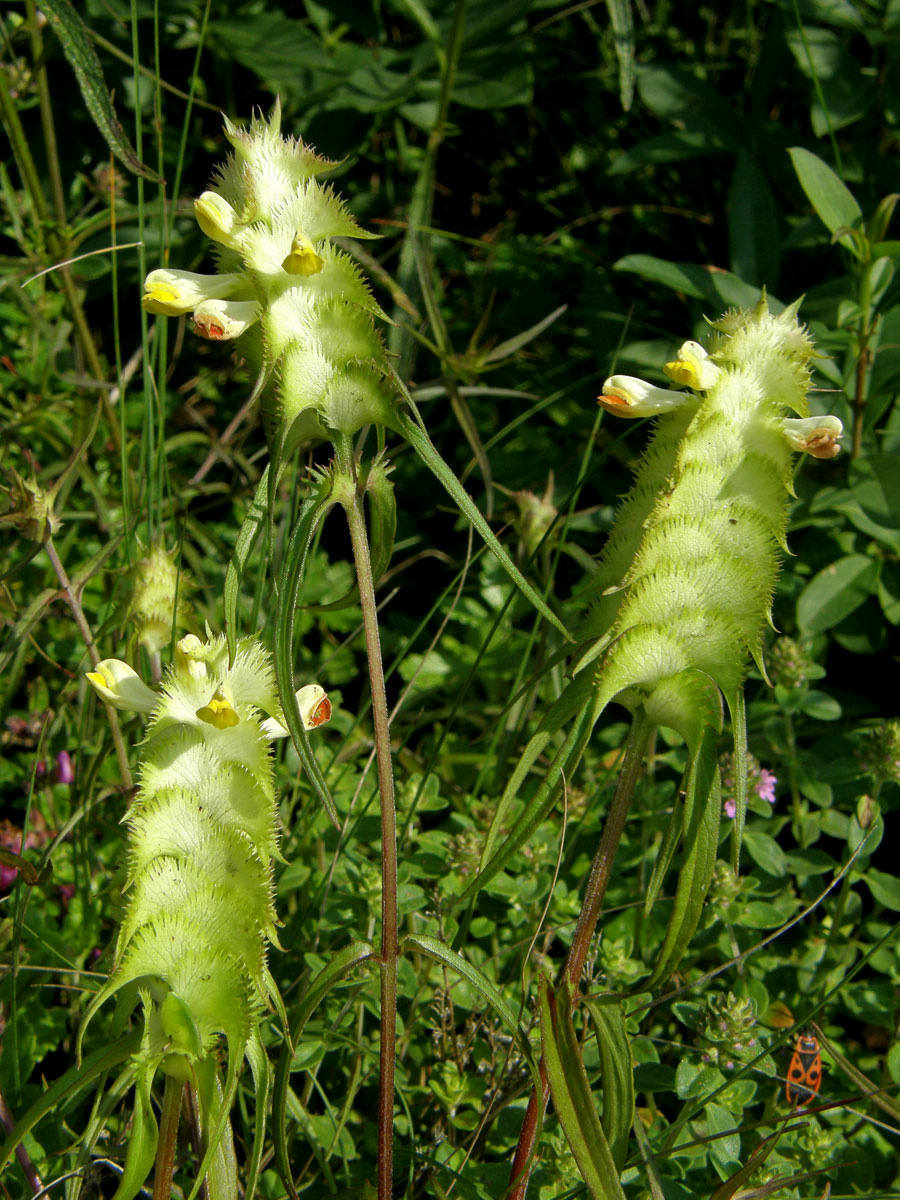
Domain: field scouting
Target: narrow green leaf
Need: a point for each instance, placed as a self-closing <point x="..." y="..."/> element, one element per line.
<point x="334" y="970"/>
<point x="423" y="446"/>
<point x="77" y="1077"/>
<point x="76" y="44"/>
<point x="666" y="851"/>
<point x="575" y="703"/>
<point x="262" y="1078"/>
<point x="571" y="1094"/>
<point x="702" y="812"/>
<point x="144" y="1136"/>
<point x="243" y="548"/>
<point x="872" y="1089"/>
<point x="313" y="509"/>
<point x="623" y="30"/>
<point x="738" y="712"/>
<point x="382" y="530"/>
<point x="834" y="203"/>
<point x="616" y="1074"/>
<point x="511" y="345"/>
<point x="442" y="953"/>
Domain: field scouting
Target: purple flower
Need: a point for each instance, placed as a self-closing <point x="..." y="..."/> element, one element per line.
<point x="65" y="772"/>
<point x="765" y="785"/>
<point x="729" y="809"/>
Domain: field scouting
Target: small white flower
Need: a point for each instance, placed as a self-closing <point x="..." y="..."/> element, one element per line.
<point x="121" y="686"/>
<point x="315" y="710"/>
<point x="172" y="293"/>
<point x="626" y="396"/>
<point x="223" y="320"/>
<point x="693" y="368"/>
<point x="818" y="436"/>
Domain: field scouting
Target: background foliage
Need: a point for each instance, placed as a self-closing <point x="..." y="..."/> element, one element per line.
<point x="642" y="194"/>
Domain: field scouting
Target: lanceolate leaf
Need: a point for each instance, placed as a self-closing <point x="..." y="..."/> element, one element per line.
<point x="442" y="953"/>
<point x="143" y="1140"/>
<point x="571" y="1094"/>
<point x="73" y="34"/>
<point x="312" y="511"/>
<point x="246" y="540"/>
<point x="702" y="811"/>
<point x="424" y="447"/>
<point x="97" y="1064"/>
<point x="616" y="1074"/>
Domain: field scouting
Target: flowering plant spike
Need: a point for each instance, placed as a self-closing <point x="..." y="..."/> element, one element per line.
<point x="200" y="911"/>
<point x="683" y="590"/>
<point x="300" y="304"/>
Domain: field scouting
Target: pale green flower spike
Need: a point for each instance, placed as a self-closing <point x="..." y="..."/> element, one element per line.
<point x="203" y="831"/>
<point x="273" y="225"/>
<point x="683" y="590"/>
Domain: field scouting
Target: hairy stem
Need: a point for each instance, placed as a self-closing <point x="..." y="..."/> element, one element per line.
<point x="168" y="1130"/>
<point x="601" y="870"/>
<point x="389" y="944"/>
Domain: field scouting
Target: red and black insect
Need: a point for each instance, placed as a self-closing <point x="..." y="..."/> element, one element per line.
<point x="805" y="1071"/>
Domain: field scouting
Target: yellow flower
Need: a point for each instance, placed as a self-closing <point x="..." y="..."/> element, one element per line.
<point x="173" y="293"/>
<point x="315" y="710"/>
<point x="302" y="259"/>
<point x="626" y="396"/>
<point x="693" y="368"/>
<point x="121" y="686"/>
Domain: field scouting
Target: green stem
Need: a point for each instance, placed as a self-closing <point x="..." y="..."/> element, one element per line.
<point x="601" y="870"/>
<point x="168" y="1130"/>
<point x="390" y="950"/>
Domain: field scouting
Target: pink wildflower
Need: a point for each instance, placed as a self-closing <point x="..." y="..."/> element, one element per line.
<point x="765" y="785"/>
<point x="729" y="809"/>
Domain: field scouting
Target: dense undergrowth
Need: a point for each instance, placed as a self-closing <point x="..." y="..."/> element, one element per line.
<point x="556" y="203"/>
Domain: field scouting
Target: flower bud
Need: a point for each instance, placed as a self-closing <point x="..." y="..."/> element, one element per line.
<point x="693" y="368"/>
<point x="626" y="396"/>
<point x="818" y="436"/>
<point x="218" y="220"/>
<point x="173" y="293"/>
<point x="224" y="320"/>
<point x="121" y="686"/>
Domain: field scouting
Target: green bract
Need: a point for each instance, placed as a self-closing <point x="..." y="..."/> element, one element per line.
<point x="683" y="590"/>
<point x="200" y="914"/>
<point x="303" y="303"/>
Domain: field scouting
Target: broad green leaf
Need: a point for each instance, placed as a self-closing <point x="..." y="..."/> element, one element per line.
<point x="73" y="34"/>
<point x="312" y="511"/>
<point x="339" y="965"/>
<point x="766" y="853"/>
<point x="720" y="287"/>
<point x="616" y="1074"/>
<point x="754" y="230"/>
<point x="834" y="203"/>
<point x="885" y="888"/>
<point x="571" y="1094"/>
<point x="423" y="446"/>
<point x="837" y="591"/>
<point x="702" y="812"/>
